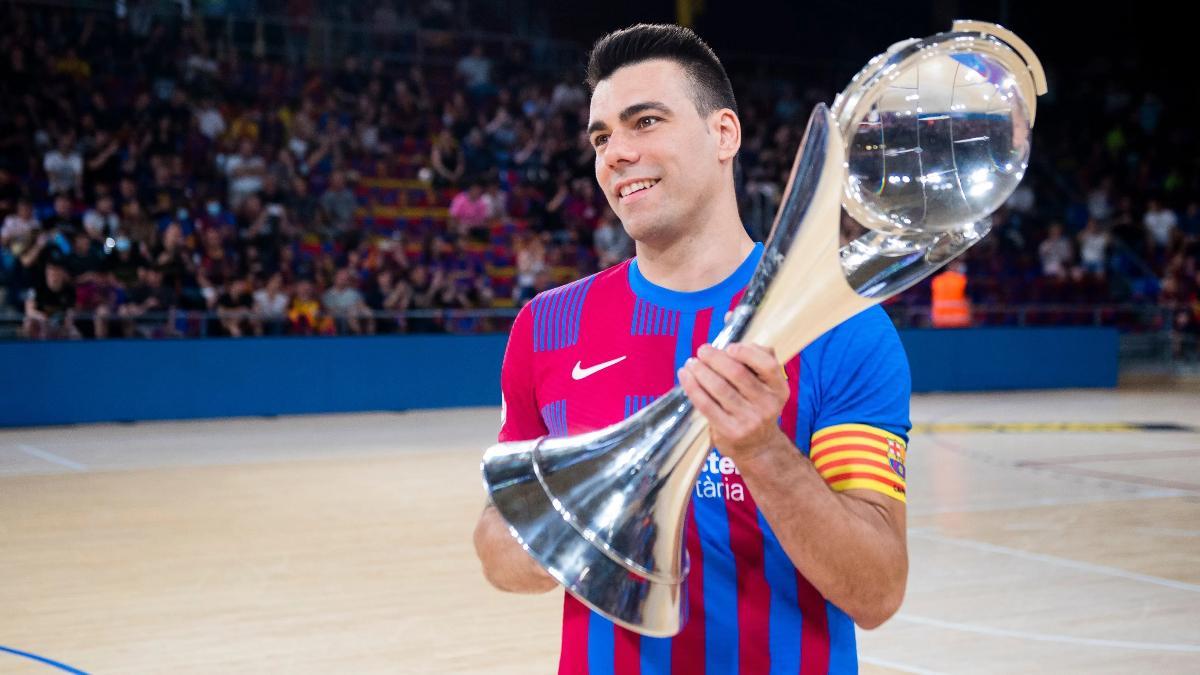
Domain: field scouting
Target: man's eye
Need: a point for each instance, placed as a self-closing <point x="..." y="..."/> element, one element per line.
<point x="600" y="140"/>
<point x="647" y="121"/>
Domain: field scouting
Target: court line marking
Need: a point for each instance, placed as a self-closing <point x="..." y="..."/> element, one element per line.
<point x="1111" y="475"/>
<point x="915" y="509"/>
<point x="1050" y="637"/>
<point x="50" y="457"/>
<point x="42" y="659"/>
<point x="904" y="668"/>
<point x="1118" y="457"/>
<point x="922" y="533"/>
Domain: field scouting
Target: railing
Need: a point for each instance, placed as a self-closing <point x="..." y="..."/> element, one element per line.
<point x="191" y="323"/>
<point x="1127" y="317"/>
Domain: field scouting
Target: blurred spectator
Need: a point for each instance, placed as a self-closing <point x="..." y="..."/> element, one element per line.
<point x="50" y="307"/>
<point x="210" y="119"/>
<point x="244" y="171"/>
<point x="531" y="262"/>
<point x="304" y="315"/>
<point x="446" y="158"/>
<point x="469" y="209"/>
<point x="613" y="245"/>
<point x="235" y="309"/>
<point x="339" y="204"/>
<point x="1160" y="223"/>
<point x="19" y="231"/>
<point x="64" y="168"/>
<point x="346" y="305"/>
<point x="271" y="305"/>
<point x="149" y="298"/>
<point x="1093" y="248"/>
<point x="475" y="71"/>
<point x="1055" y="253"/>
<point x="102" y="222"/>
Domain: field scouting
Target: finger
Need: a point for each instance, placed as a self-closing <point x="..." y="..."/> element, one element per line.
<point x="760" y="359"/>
<point x="744" y="379"/>
<point x="704" y="402"/>
<point x="719" y="388"/>
<point x="765" y="365"/>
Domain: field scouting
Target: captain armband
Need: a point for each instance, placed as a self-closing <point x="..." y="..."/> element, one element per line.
<point x="860" y="457"/>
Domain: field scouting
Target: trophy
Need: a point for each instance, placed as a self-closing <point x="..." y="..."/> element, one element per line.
<point x="925" y="143"/>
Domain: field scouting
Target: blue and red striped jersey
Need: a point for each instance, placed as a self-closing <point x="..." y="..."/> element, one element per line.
<point x="591" y="353"/>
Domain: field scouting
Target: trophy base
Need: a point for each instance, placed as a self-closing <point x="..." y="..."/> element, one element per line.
<point x="649" y="607"/>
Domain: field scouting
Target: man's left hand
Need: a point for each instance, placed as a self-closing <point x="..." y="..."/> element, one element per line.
<point x="741" y="391"/>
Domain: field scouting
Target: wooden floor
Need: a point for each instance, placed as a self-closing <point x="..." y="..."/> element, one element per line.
<point x="339" y="544"/>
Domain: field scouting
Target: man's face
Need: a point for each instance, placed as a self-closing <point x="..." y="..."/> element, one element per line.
<point x="646" y="131"/>
<point x="55" y="277"/>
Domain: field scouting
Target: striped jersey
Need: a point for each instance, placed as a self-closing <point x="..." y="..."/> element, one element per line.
<point x="586" y="355"/>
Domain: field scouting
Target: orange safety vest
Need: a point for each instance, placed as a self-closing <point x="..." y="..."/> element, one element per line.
<point x="950" y="306"/>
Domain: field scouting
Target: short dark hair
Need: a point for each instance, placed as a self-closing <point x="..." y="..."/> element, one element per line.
<point x="711" y="89"/>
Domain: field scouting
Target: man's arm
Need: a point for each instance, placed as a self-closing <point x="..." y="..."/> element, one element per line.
<point x="850" y="545"/>
<point x="506" y="565"/>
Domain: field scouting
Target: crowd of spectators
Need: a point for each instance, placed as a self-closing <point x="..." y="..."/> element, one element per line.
<point x="158" y="179"/>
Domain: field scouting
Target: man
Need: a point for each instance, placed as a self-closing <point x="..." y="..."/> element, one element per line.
<point x="346" y="305"/>
<point x="796" y="527"/>
<point x="50" y="305"/>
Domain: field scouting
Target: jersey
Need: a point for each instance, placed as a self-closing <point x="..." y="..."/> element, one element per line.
<point x="593" y="352"/>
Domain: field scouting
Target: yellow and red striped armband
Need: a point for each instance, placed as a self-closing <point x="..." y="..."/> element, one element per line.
<point x="860" y="457"/>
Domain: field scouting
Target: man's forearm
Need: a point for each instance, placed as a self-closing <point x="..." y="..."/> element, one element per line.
<point x="844" y="546"/>
<point x="505" y="564"/>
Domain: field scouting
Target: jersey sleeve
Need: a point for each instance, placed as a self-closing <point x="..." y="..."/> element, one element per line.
<point x="520" y="419"/>
<point x="862" y="418"/>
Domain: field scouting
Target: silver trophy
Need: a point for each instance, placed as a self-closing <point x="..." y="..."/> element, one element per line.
<point x="925" y="143"/>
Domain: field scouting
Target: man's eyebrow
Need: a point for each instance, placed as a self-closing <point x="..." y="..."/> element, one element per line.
<point x="630" y="112"/>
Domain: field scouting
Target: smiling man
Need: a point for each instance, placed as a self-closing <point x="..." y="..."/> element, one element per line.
<point x="796" y="529"/>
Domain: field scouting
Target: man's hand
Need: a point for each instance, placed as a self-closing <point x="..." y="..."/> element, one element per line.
<point x="741" y="392"/>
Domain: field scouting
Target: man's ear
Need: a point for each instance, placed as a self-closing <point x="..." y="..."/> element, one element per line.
<point x="728" y="128"/>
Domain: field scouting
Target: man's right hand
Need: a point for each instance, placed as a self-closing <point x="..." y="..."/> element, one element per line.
<point x="505" y="564"/>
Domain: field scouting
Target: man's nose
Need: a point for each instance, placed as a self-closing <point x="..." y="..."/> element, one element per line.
<point x="621" y="149"/>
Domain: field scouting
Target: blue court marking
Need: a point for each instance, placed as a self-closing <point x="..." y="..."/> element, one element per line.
<point x="42" y="659"/>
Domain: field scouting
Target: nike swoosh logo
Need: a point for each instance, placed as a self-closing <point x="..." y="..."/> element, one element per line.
<point x="579" y="372"/>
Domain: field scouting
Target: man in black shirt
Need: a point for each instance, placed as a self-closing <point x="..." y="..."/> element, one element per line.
<point x="50" y="305"/>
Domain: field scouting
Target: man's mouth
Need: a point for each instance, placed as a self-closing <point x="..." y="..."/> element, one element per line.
<point x="638" y="186"/>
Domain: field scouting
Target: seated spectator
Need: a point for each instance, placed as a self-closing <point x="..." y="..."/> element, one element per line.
<point x="122" y="263"/>
<point x="64" y="168"/>
<point x="18" y="233"/>
<point x="338" y="204"/>
<point x="469" y="210"/>
<point x="50" y="305"/>
<point x="613" y="245"/>
<point x="244" y="172"/>
<point x="475" y="71"/>
<point x="149" y="298"/>
<point x="446" y="159"/>
<point x="1055" y="252"/>
<point x="235" y="309"/>
<point x="305" y="316"/>
<point x="271" y="305"/>
<point x="63" y="218"/>
<point x="345" y="304"/>
<point x="1160" y="223"/>
<point x="102" y="222"/>
<point x="1093" y="248"/>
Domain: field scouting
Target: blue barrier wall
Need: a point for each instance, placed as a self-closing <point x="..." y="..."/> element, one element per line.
<point x="119" y="380"/>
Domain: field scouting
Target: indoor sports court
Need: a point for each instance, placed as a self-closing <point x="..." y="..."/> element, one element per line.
<point x="1049" y="532"/>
